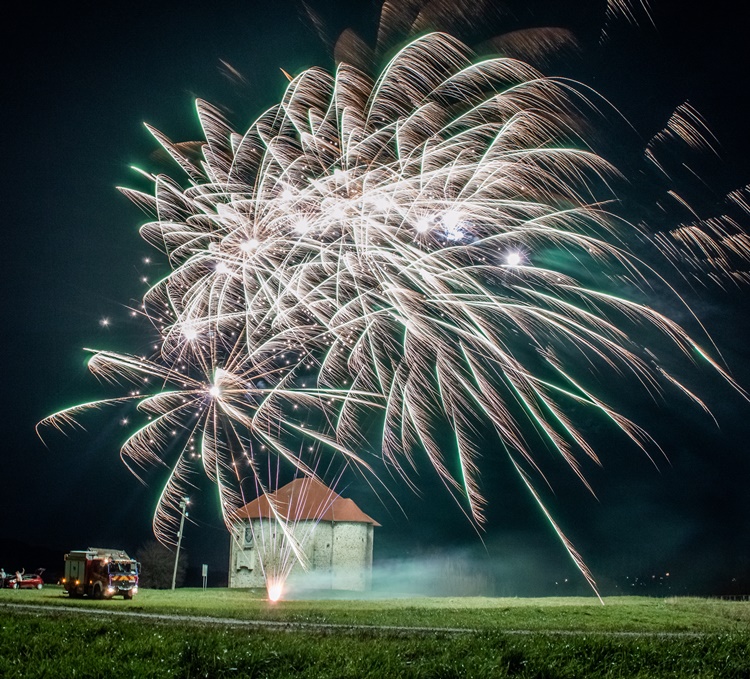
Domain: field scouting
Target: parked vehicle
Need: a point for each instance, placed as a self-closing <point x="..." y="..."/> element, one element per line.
<point x="100" y="573"/>
<point x="21" y="580"/>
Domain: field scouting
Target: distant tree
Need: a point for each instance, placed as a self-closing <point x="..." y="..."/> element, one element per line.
<point x="157" y="566"/>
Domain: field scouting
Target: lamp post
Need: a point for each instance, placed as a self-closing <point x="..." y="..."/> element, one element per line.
<point x="183" y="506"/>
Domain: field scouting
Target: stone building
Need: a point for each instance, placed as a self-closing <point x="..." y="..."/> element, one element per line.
<point x="334" y="534"/>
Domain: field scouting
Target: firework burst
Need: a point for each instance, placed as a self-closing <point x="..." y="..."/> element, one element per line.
<point x="436" y="246"/>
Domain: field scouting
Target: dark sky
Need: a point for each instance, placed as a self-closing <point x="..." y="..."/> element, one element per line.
<point x="79" y="85"/>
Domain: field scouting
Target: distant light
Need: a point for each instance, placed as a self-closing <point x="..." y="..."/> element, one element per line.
<point x="214" y="391"/>
<point x="249" y="245"/>
<point x="454" y="234"/>
<point x="104" y="322"/>
<point x="302" y="226"/>
<point x="424" y="224"/>
<point x="190" y="333"/>
<point x="513" y="259"/>
<point x="451" y="218"/>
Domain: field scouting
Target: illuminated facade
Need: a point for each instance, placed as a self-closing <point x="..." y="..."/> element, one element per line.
<point x="332" y="535"/>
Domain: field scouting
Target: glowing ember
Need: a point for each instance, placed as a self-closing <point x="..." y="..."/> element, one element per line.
<point x="513" y="259"/>
<point x="275" y="590"/>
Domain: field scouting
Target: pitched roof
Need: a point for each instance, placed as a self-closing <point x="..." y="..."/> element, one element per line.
<point x="306" y="499"/>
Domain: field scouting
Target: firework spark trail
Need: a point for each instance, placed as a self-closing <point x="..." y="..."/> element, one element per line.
<point x="399" y="18"/>
<point x="386" y="246"/>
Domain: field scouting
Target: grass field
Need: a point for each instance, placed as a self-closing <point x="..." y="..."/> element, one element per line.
<point x="544" y="638"/>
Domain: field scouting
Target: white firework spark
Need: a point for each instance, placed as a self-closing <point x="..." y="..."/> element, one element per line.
<point x="422" y="246"/>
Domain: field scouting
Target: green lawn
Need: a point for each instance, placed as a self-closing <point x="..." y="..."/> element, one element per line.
<point x="567" y="637"/>
<point x="629" y="614"/>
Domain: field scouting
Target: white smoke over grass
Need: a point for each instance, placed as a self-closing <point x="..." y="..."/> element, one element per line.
<point x="459" y="572"/>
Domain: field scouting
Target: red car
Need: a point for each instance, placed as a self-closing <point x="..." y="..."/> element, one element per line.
<point x="22" y="581"/>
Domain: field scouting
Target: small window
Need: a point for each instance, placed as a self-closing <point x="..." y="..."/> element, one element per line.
<point x="248" y="536"/>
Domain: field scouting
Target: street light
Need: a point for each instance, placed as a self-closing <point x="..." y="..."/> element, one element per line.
<point x="183" y="506"/>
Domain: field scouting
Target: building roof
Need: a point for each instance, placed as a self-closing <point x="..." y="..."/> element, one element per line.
<point x="306" y="499"/>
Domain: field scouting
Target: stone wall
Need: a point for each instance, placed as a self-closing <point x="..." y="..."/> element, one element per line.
<point x="338" y="554"/>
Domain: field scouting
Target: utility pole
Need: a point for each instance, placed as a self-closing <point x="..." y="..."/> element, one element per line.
<point x="183" y="506"/>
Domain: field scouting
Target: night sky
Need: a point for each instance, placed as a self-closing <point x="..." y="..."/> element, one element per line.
<point x="79" y="86"/>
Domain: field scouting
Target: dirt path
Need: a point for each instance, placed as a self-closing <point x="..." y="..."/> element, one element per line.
<point x="320" y="627"/>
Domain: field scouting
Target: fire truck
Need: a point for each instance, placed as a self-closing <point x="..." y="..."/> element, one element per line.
<point x="100" y="573"/>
